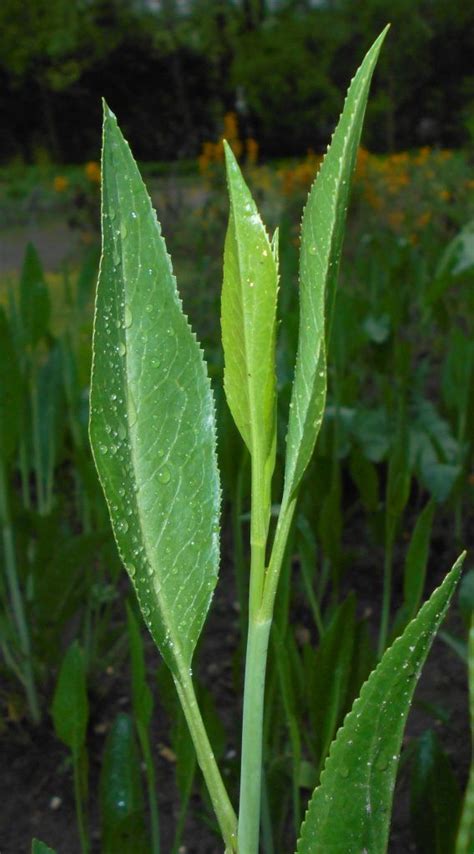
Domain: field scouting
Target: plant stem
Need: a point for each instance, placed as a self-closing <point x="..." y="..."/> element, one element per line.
<point x="17" y="599"/>
<point x="251" y="763"/>
<point x="205" y="756"/>
<point x="387" y="595"/>
<point x="81" y="824"/>
<point x="465" y="836"/>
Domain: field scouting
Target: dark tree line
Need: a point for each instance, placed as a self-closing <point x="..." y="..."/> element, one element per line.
<point x="172" y="68"/>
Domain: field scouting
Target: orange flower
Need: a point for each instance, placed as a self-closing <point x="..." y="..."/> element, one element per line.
<point x="231" y="128"/>
<point x="60" y="183"/>
<point x="252" y="150"/>
<point x="92" y="170"/>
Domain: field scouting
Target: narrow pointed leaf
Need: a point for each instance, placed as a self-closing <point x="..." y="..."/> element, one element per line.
<point x="249" y="297"/>
<point x="10" y="391"/>
<point x="35" y="305"/>
<point x="435" y="798"/>
<point x="121" y="793"/>
<point x="152" y="416"/>
<point x="321" y="242"/>
<point x="350" y="810"/>
<point x="70" y="707"/>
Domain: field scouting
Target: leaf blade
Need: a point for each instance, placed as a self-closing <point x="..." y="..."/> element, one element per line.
<point x="321" y="244"/>
<point x="249" y="298"/>
<point x="152" y="416"/>
<point x="359" y="790"/>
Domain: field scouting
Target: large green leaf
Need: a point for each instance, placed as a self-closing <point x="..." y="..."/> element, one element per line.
<point x="349" y="812"/>
<point x="249" y="298"/>
<point x="321" y="243"/>
<point x="152" y="416"/>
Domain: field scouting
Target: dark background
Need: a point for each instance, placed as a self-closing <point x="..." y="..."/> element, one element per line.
<point x="172" y="69"/>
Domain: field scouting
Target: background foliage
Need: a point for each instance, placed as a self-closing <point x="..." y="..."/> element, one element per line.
<point x="193" y="61"/>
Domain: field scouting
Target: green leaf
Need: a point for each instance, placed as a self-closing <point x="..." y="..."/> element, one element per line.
<point x="121" y="793"/>
<point x="38" y="847"/>
<point x="350" y="810"/>
<point x="70" y="709"/>
<point x="249" y="298"/>
<point x="321" y="243"/>
<point x="10" y="391"/>
<point x="435" y="798"/>
<point x="152" y="416"/>
<point x="330" y="678"/>
<point x="35" y="304"/>
<point x="142" y="698"/>
<point x="416" y="560"/>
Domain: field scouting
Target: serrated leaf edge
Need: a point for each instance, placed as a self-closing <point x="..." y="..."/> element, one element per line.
<point x="454" y="573"/>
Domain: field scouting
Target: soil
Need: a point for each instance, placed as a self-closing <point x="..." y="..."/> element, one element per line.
<point x="36" y="789"/>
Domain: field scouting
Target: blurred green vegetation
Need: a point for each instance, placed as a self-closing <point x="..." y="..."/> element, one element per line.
<point x="280" y="64"/>
<point x="394" y="463"/>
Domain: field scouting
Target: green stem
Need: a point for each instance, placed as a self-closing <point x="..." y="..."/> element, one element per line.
<point x="465" y="837"/>
<point x="17" y="599"/>
<point x="387" y="595"/>
<point x="251" y="767"/>
<point x="276" y="559"/>
<point x="37" y="449"/>
<point x="25" y="475"/>
<point x="205" y="756"/>
<point x="81" y="823"/>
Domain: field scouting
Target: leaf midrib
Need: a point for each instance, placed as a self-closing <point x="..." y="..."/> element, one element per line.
<point x="168" y="624"/>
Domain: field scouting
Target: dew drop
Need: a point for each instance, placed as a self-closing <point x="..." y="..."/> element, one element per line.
<point x="127" y="317"/>
<point x="148" y="308"/>
<point x="164" y="475"/>
<point x="123" y="231"/>
<point x="121" y="432"/>
<point x="122" y="348"/>
<point x="122" y="525"/>
<point x="103" y="449"/>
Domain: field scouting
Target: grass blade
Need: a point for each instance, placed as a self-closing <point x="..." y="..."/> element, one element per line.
<point x="358" y="780"/>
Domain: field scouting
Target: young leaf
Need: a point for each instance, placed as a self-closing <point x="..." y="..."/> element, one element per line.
<point x="249" y="298"/>
<point x="152" y="416"/>
<point x="321" y="243"/>
<point x="70" y="709"/>
<point x="359" y="775"/>
<point x="121" y="793"/>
